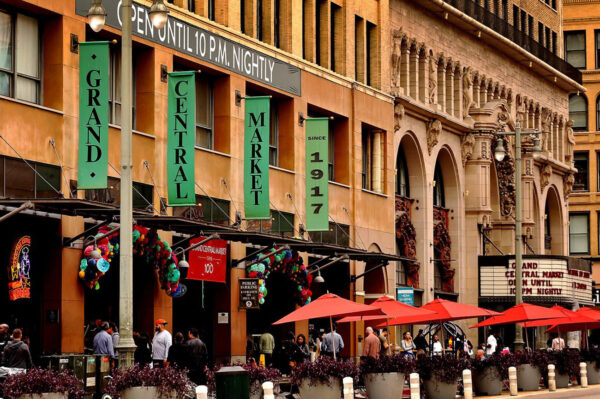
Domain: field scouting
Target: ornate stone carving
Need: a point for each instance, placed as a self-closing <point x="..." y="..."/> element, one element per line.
<point x="568" y="181"/>
<point x="406" y="237"/>
<point x="467" y="91"/>
<point x="545" y="175"/>
<point x="398" y="115"/>
<point x="546" y="124"/>
<point x="434" y="129"/>
<point x="528" y="168"/>
<point x="443" y="247"/>
<point x="484" y="150"/>
<point x="570" y="142"/>
<point x="505" y="170"/>
<point x="397" y="37"/>
<point x="432" y="79"/>
<point x="467" y="146"/>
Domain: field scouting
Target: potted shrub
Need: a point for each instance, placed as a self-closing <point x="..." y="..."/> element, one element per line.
<point x="530" y="365"/>
<point x="489" y="373"/>
<point x="322" y="379"/>
<point x="259" y="375"/>
<point x="440" y="375"/>
<point x="566" y="363"/>
<point x="146" y="383"/>
<point x="384" y="378"/>
<point x="38" y="384"/>
<point x="591" y="357"/>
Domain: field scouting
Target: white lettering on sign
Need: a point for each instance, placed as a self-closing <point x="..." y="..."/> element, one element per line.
<point x="540" y="277"/>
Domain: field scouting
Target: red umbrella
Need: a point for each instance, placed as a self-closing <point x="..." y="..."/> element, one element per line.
<point x="593" y="313"/>
<point x="329" y="305"/>
<point x="566" y="315"/>
<point x="582" y="320"/>
<point x="392" y="309"/>
<point x="521" y="313"/>
<point x="444" y="311"/>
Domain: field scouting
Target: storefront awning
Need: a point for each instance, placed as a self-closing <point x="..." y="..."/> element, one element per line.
<point x="182" y="225"/>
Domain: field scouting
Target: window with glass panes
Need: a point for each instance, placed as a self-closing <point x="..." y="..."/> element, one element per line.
<point x="18" y="180"/>
<point x="274" y="134"/>
<point x="575" y="48"/>
<point x="20" y="57"/>
<point x="578" y="112"/>
<point x="114" y="92"/>
<point x="213" y="210"/>
<point x="204" y="113"/>
<point x="597" y="47"/>
<point x="581" y="163"/>
<point x="142" y="194"/>
<point x="338" y="234"/>
<point x="400" y="274"/>
<point x="598" y="114"/>
<point x="579" y="233"/>
<point x="438" y="189"/>
<point x="402" y="186"/>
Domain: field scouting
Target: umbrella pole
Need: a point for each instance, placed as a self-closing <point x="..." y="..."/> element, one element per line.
<point x="443" y="340"/>
<point x="526" y="339"/>
<point x="332" y="336"/>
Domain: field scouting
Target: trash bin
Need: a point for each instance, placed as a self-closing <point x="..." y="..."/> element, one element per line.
<point x="232" y="383"/>
<point x="82" y="366"/>
<point x="102" y="371"/>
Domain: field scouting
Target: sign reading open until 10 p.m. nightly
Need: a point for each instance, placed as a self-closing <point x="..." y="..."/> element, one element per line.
<point x="204" y="45"/>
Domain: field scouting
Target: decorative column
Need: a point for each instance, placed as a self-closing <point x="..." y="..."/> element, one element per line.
<point x="441" y="89"/>
<point x="414" y="72"/>
<point x="378" y="138"/>
<point x="404" y="67"/>
<point x="450" y="89"/>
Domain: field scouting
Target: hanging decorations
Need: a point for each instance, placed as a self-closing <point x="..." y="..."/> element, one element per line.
<point x="146" y="244"/>
<point x="286" y="262"/>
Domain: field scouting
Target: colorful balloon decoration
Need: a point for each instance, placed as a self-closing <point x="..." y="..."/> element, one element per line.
<point x="287" y="262"/>
<point x="147" y="244"/>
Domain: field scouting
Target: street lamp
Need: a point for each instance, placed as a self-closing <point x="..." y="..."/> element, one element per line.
<point x="499" y="154"/>
<point x="97" y="17"/>
<point x="158" y="13"/>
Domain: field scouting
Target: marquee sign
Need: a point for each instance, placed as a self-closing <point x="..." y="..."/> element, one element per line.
<point x="19" y="284"/>
<point x="204" y="45"/>
<point x="542" y="277"/>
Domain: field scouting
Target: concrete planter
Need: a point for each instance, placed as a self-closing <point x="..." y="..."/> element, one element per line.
<point x="562" y="380"/>
<point x="436" y="389"/>
<point x="384" y="385"/>
<point x="256" y="391"/>
<point x="146" y="393"/>
<point x="528" y="377"/>
<point x="45" y="396"/>
<point x="487" y="382"/>
<point x="319" y="390"/>
<point x="593" y="373"/>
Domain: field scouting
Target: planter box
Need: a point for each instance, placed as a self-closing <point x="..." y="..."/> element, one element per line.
<point x="593" y="373"/>
<point x="384" y="385"/>
<point x="528" y="377"/>
<point x="319" y="390"/>
<point x="562" y="380"/>
<point x="436" y="389"/>
<point x="487" y="382"/>
<point x="45" y="396"/>
<point x="256" y="391"/>
<point x="145" y="393"/>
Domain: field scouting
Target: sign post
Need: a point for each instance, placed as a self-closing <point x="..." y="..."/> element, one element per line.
<point x="249" y="293"/>
<point x="406" y="295"/>
<point x="256" y="158"/>
<point x="317" y="174"/>
<point x="208" y="262"/>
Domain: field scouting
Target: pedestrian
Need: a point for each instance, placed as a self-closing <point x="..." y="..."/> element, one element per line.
<point x="289" y="353"/>
<point x="4" y="336"/>
<point x="499" y="341"/>
<point x="114" y="333"/>
<point x="558" y="343"/>
<point x="385" y="346"/>
<point x="372" y="345"/>
<point x="266" y="345"/>
<point x="492" y="344"/>
<point x="161" y="343"/>
<point x="328" y="346"/>
<point x="304" y="350"/>
<point x="178" y="353"/>
<point x="198" y="358"/>
<point x="420" y="343"/>
<point x="436" y="346"/>
<point x="250" y="349"/>
<point x="408" y="346"/>
<point x="16" y="353"/>
<point x="103" y="344"/>
<point x="93" y="328"/>
<point x="142" y="354"/>
<point x="480" y="355"/>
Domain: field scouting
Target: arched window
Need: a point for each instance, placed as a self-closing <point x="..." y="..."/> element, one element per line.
<point x="402" y="186"/>
<point x="438" y="187"/>
<point x="598" y="113"/>
<point x="578" y="112"/>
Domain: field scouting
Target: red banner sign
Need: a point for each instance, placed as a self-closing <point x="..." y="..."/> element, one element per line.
<point x="19" y="285"/>
<point x="208" y="261"/>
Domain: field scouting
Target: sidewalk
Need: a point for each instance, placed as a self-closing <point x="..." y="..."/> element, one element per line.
<point x="566" y="393"/>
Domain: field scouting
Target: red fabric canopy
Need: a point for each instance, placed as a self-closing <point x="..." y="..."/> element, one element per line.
<point x="521" y="313"/>
<point x="582" y="319"/>
<point x="589" y="312"/>
<point x="329" y="305"/>
<point x="392" y="309"/>
<point x="444" y="311"/>
<point x="567" y="314"/>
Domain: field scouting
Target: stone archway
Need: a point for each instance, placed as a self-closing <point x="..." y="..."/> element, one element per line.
<point x="375" y="280"/>
<point x="553" y="223"/>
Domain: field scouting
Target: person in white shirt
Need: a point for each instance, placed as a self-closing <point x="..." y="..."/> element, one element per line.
<point x="161" y="343"/>
<point x="492" y="344"/>
<point x="437" y="346"/>
<point x="558" y="344"/>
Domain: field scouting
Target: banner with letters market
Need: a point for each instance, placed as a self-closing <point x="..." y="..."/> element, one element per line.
<point x="181" y="139"/>
<point x="317" y="174"/>
<point x="93" y="115"/>
<point x="256" y="158"/>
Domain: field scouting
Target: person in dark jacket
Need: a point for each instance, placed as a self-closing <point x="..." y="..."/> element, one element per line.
<point x="198" y="358"/>
<point x="303" y="353"/>
<point x="420" y="343"/>
<point x="16" y="353"/>
<point x="142" y="354"/>
<point x="178" y="353"/>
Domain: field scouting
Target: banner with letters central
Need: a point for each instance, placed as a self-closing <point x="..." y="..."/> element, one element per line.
<point x="93" y="116"/>
<point x="181" y="140"/>
<point x="256" y="157"/>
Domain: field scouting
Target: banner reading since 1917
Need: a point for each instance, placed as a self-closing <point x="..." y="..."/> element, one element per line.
<point x="181" y="139"/>
<point x="317" y="174"/>
<point x="93" y="115"/>
<point x="256" y="158"/>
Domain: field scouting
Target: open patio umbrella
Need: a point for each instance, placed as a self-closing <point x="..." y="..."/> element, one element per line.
<point x="392" y="309"/>
<point x="593" y="313"/>
<point x="566" y="314"/>
<point x="582" y="320"/>
<point x="329" y="305"/>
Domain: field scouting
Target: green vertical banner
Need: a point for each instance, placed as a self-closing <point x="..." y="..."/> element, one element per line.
<point x="317" y="174"/>
<point x="181" y="140"/>
<point x="93" y="115"/>
<point x="256" y="158"/>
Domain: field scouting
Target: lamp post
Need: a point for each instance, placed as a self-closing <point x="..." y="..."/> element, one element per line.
<point x="499" y="154"/>
<point x="97" y="18"/>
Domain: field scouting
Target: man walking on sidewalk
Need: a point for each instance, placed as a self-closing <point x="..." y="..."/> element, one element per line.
<point x="372" y="346"/>
<point x="161" y="343"/>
